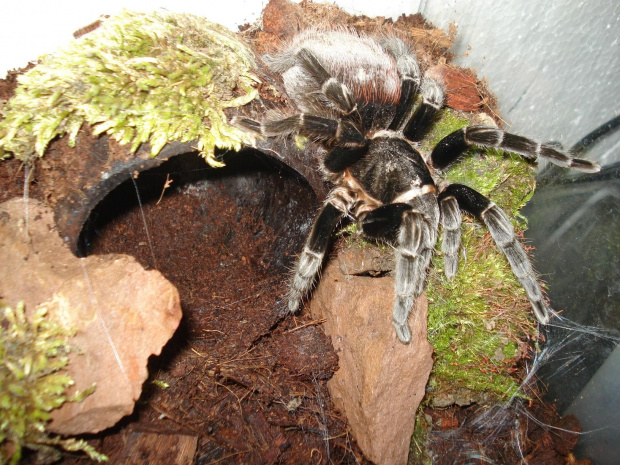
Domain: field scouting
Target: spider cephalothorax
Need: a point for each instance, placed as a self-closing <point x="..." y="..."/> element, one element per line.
<point x="356" y="96"/>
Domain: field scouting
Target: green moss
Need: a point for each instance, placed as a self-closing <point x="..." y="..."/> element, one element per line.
<point x="153" y="78"/>
<point x="33" y="356"/>
<point x="477" y="320"/>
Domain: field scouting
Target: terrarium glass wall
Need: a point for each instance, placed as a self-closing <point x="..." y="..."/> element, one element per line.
<point x="553" y="67"/>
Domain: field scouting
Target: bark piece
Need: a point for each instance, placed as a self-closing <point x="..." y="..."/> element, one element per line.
<point x="122" y="313"/>
<point x="381" y="381"/>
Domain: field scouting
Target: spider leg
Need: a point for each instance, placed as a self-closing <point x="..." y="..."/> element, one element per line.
<point x="503" y="234"/>
<point x="409" y="71"/>
<point x="340" y="158"/>
<point x="450" y="219"/>
<point x="451" y="147"/>
<point x="421" y="120"/>
<point x="310" y="260"/>
<point x="332" y="131"/>
<point x="384" y="222"/>
<point x="414" y="225"/>
<point x="416" y="243"/>
<point x="411" y="263"/>
<point x="337" y="93"/>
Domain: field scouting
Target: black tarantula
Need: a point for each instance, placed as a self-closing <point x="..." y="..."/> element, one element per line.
<point x="356" y="96"/>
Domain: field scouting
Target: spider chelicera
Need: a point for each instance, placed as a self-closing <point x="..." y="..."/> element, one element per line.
<point x="368" y="104"/>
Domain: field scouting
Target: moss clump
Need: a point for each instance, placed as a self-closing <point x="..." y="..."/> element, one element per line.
<point x="477" y="320"/>
<point x="154" y="78"/>
<point x="33" y="355"/>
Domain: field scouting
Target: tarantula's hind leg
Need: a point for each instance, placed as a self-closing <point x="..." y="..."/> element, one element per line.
<point x="451" y="147"/>
<point x="504" y="236"/>
<point x="312" y="256"/>
<point x="410" y="77"/>
<point x="335" y="91"/>
<point x="432" y="101"/>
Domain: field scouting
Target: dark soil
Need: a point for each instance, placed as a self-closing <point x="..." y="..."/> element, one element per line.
<point x="252" y="391"/>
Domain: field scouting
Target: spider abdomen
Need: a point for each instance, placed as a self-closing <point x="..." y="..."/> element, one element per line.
<point x="365" y="68"/>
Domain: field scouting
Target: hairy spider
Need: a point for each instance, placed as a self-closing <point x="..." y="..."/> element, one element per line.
<point x="358" y="96"/>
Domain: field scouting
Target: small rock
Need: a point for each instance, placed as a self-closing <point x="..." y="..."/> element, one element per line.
<point x="499" y="356"/>
<point x="381" y="381"/>
<point x="122" y="313"/>
<point x="371" y="261"/>
<point x="294" y="404"/>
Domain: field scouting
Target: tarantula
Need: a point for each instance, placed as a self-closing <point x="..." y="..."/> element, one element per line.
<point x="358" y="97"/>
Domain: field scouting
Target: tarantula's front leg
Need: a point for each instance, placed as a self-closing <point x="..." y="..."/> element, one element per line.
<point x="412" y="260"/>
<point x="432" y="101"/>
<point x="451" y="221"/>
<point x="332" y="131"/>
<point x="503" y="234"/>
<point x="336" y="206"/>
<point x="415" y="226"/>
<point x="451" y="147"/>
